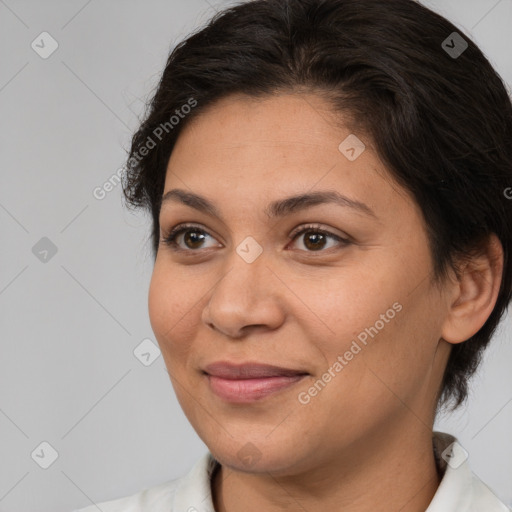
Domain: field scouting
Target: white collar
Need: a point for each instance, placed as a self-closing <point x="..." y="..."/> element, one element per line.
<point x="460" y="489"/>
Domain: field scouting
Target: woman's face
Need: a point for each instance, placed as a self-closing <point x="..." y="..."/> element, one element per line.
<point x="360" y="319"/>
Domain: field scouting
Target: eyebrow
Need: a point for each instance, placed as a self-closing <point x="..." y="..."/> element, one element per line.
<point x="279" y="208"/>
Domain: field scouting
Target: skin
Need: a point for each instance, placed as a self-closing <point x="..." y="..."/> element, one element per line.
<point x="366" y="437"/>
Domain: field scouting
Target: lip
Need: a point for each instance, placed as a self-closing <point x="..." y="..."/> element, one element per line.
<point x="249" y="370"/>
<point x="248" y="382"/>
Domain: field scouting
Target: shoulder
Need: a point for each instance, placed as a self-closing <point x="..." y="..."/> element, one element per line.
<point x="484" y="498"/>
<point x="191" y="492"/>
<point x="157" y="498"/>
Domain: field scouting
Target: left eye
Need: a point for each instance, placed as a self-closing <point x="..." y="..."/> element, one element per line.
<point x="193" y="238"/>
<point x="315" y="239"/>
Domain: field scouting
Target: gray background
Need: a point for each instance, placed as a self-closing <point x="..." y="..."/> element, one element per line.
<point x="68" y="374"/>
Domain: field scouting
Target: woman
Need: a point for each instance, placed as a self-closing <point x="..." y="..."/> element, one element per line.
<point x="327" y="182"/>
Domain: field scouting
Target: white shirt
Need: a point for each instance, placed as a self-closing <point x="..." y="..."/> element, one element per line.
<point x="460" y="490"/>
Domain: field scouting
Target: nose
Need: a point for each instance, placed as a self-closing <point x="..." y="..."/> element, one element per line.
<point x="246" y="297"/>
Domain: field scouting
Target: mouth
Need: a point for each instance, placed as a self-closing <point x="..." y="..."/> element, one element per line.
<point x="248" y="382"/>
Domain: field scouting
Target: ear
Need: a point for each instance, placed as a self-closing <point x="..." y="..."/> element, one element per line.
<point x="474" y="292"/>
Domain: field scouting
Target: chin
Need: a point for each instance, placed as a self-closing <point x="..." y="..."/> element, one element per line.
<point x="253" y="454"/>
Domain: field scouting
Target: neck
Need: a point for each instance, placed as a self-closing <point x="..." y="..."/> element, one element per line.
<point x="396" y="472"/>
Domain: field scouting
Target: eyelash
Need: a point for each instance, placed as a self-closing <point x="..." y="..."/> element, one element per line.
<point x="170" y="238"/>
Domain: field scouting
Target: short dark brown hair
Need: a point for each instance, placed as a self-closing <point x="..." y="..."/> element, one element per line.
<point x="441" y="122"/>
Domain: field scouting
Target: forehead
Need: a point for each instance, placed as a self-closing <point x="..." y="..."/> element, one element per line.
<point x="249" y="150"/>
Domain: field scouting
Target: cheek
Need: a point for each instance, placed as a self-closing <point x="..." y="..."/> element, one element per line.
<point x="357" y="301"/>
<point x="398" y="357"/>
<point x="172" y="311"/>
<point x="376" y="324"/>
<point x="159" y="304"/>
<point x="174" y="315"/>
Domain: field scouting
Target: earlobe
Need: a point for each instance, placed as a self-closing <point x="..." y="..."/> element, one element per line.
<point x="475" y="292"/>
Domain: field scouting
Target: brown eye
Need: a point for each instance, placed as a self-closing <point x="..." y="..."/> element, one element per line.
<point x="187" y="238"/>
<point x="315" y="239"/>
<point x="193" y="239"/>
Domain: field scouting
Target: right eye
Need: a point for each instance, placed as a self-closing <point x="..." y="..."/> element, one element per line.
<point x="190" y="235"/>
